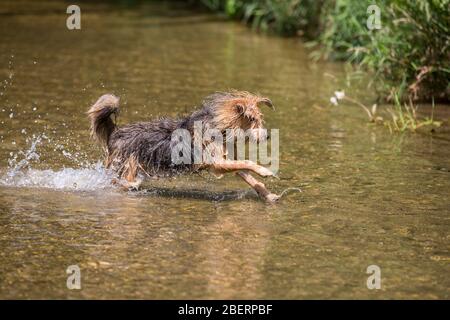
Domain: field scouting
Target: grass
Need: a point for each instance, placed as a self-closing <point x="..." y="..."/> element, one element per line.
<point x="402" y="116"/>
<point x="284" y="17"/>
<point x="409" y="57"/>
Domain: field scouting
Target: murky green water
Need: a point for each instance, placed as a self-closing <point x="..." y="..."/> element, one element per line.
<point x="368" y="197"/>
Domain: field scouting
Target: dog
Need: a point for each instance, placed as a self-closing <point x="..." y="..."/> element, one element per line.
<point x="146" y="148"/>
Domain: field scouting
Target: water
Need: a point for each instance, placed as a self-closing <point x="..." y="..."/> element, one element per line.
<point x="368" y="197"/>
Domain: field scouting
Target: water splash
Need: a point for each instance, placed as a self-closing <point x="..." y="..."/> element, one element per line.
<point x="27" y="156"/>
<point x="20" y="173"/>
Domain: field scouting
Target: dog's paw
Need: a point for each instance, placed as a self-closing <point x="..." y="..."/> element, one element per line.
<point x="264" y="172"/>
<point x="272" y="198"/>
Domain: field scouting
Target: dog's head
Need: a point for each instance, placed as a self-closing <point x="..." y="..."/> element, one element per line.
<point x="239" y="110"/>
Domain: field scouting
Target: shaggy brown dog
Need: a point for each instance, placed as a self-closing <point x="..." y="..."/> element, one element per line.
<point x="145" y="148"/>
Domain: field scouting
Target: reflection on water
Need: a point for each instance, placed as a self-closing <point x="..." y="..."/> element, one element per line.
<point x="367" y="197"/>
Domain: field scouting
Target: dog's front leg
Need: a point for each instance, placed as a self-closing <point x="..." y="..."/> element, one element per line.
<point x="259" y="187"/>
<point x="232" y="165"/>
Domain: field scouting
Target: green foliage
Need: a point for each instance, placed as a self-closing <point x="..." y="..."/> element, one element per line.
<point x="284" y="17"/>
<point x="344" y="31"/>
<point x="409" y="56"/>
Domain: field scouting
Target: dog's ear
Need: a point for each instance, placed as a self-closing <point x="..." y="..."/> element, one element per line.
<point x="267" y="102"/>
<point x="239" y="107"/>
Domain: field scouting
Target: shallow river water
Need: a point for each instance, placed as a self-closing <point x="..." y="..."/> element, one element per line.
<point x="368" y="197"/>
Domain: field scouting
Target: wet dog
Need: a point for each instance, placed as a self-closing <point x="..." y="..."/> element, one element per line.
<point x="146" y="148"/>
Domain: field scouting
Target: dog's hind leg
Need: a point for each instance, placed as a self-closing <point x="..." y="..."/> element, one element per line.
<point x="259" y="187"/>
<point x="129" y="176"/>
<point x="231" y="165"/>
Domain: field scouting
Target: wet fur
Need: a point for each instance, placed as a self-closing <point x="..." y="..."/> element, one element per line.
<point x="145" y="147"/>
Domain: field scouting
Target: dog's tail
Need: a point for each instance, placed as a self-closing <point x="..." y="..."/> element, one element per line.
<point x="100" y="115"/>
